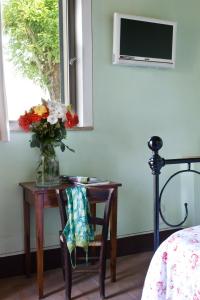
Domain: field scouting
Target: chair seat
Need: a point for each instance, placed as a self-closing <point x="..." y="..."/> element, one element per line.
<point x="97" y="241"/>
<point x="95" y="244"/>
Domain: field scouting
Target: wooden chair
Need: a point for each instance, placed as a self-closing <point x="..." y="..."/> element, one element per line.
<point x="96" y="195"/>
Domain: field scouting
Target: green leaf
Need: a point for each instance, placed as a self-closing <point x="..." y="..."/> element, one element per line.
<point x="62" y="147"/>
<point x="34" y="142"/>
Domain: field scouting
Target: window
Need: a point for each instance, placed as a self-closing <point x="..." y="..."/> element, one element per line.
<point x="78" y="58"/>
<point x="41" y="73"/>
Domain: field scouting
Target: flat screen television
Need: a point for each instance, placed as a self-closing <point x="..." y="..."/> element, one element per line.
<point x="143" y="41"/>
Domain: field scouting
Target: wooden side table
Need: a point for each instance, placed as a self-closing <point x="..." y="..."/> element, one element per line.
<point x="42" y="198"/>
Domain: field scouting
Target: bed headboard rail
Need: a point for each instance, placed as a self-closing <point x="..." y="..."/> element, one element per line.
<point x="156" y="163"/>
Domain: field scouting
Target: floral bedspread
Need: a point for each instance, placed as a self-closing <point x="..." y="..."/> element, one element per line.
<point x="174" y="271"/>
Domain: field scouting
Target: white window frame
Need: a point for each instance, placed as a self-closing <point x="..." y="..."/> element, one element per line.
<point x="4" y="126"/>
<point x="84" y="62"/>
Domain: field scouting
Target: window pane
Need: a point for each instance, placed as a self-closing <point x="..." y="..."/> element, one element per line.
<point x="31" y="53"/>
<point x="68" y="52"/>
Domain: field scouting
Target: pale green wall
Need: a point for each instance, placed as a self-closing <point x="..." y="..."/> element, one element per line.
<point x="130" y="105"/>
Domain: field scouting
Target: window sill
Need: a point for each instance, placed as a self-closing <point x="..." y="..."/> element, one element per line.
<point x="14" y="127"/>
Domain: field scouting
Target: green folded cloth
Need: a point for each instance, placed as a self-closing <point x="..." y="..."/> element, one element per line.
<point x="78" y="232"/>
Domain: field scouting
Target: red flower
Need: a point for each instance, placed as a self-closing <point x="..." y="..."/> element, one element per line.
<point x="24" y="121"/>
<point x="34" y="118"/>
<point x="76" y="120"/>
<point x="72" y="120"/>
<point x="69" y="115"/>
<point x="45" y="116"/>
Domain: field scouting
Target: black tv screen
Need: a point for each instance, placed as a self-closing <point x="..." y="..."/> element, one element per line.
<point x="146" y="39"/>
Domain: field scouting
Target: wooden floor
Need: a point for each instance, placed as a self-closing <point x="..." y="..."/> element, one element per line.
<point x="131" y="272"/>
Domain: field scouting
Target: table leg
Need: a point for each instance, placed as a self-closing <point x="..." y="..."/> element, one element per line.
<point x="93" y="214"/>
<point x="113" y="237"/>
<point x="27" y="251"/>
<point x="39" y="216"/>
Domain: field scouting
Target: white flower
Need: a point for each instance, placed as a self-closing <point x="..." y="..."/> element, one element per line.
<point x="52" y="119"/>
<point x="61" y="115"/>
<point x="51" y="105"/>
<point x="57" y="109"/>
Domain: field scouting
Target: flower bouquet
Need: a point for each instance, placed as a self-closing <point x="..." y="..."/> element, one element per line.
<point x="48" y="122"/>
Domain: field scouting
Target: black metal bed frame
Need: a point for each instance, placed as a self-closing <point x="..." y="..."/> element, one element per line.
<point x="156" y="162"/>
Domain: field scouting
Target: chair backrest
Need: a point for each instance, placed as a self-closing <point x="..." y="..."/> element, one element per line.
<point x="95" y="195"/>
<point x="101" y="195"/>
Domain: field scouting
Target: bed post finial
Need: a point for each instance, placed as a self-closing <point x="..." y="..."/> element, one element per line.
<point x="155" y="162"/>
<point x="155" y="143"/>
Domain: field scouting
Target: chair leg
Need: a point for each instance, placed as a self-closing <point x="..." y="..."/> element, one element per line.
<point x="103" y="252"/>
<point x="62" y="259"/>
<point x="102" y="273"/>
<point x="68" y="272"/>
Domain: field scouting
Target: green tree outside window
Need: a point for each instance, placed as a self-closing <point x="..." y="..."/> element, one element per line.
<point x="33" y="31"/>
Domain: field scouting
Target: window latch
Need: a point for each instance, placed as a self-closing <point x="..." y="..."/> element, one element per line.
<point x="72" y="61"/>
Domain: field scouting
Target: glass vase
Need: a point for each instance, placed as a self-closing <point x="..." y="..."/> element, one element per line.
<point x="47" y="171"/>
